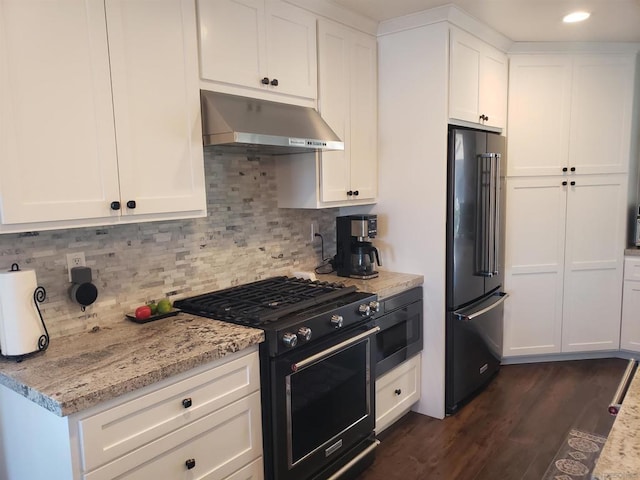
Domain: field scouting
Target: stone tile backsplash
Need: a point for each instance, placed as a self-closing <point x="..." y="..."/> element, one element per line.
<point x="244" y="237"/>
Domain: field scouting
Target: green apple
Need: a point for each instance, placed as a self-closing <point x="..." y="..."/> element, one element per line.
<point x="164" y="305"/>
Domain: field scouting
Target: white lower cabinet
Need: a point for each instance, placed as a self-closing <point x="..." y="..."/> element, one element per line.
<point x="396" y="391"/>
<point x="205" y="424"/>
<point x="565" y="239"/>
<point x="630" y="326"/>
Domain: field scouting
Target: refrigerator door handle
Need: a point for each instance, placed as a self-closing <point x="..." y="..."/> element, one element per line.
<point x="496" y="213"/>
<point x="502" y="296"/>
<point x="487" y="246"/>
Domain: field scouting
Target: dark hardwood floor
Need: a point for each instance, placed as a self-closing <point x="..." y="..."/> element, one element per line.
<point x="510" y="431"/>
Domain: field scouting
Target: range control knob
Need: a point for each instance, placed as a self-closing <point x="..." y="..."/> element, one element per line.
<point x="337" y="321"/>
<point x="304" y="333"/>
<point x="364" y="310"/>
<point x="375" y="306"/>
<point x="290" y="340"/>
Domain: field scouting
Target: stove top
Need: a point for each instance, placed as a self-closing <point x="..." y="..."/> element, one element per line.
<point x="292" y="312"/>
<point x="260" y="303"/>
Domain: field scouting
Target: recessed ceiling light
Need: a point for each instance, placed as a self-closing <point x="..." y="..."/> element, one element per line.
<point x="575" y="17"/>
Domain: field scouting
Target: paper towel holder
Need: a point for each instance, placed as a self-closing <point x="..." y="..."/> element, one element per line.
<point x="39" y="296"/>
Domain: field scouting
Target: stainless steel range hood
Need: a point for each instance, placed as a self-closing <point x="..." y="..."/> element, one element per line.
<point x="234" y="124"/>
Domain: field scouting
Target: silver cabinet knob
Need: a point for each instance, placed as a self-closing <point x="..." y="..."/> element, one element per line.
<point x="304" y="333"/>
<point x="364" y="309"/>
<point x="337" y="321"/>
<point x="375" y="306"/>
<point x="290" y="340"/>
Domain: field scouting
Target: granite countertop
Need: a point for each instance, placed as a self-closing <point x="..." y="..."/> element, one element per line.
<point x="620" y="457"/>
<point x="385" y="285"/>
<point x="632" y="252"/>
<point x="80" y="371"/>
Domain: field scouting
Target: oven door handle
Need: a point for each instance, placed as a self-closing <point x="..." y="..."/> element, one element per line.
<point x="331" y="350"/>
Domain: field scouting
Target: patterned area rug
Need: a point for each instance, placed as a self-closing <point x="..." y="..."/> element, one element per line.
<point x="576" y="457"/>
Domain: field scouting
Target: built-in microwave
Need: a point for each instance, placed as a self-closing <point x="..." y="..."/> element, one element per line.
<point x="400" y="335"/>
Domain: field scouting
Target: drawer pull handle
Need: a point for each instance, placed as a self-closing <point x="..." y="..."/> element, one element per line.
<point x="398" y="391"/>
<point x="191" y="463"/>
<point x="186" y="403"/>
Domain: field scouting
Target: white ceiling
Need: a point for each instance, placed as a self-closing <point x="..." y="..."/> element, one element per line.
<point x="527" y="20"/>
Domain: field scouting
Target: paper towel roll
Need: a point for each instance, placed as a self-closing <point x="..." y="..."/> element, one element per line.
<point x="20" y="325"/>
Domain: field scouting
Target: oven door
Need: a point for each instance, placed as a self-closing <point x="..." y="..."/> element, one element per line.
<point x="322" y="403"/>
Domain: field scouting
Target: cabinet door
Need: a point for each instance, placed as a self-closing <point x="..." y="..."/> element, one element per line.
<point x="539" y="114"/>
<point x="593" y="263"/>
<point x="157" y="105"/>
<point x="630" y="325"/>
<point x="477" y="81"/>
<point x="291" y="50"/>
<point x="348" y="102"/>
<point x="363" y="152"/>
<point x="57" y="141"/>
<point x="233" y="41"/>
<point x="602" y="100"/>
<point x="334" y="105"/>
<point x="534" y="272"/>
<point x="464" y="76"/>
<point x="493" y="87"/>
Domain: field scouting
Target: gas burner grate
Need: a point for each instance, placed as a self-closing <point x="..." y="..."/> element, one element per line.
<point x="265" y="301"/>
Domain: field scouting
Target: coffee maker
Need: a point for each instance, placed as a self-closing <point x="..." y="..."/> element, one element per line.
<point x="356" y="257"/>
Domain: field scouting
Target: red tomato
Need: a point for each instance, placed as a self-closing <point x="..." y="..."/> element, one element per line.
<point x="143" y="312"/>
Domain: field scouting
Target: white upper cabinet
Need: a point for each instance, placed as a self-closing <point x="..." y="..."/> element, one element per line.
<point x="113" y="133"/>
<point x="259" y="45"/>
<point x="347" y="101"/>
<point x="602" y="100"/>
<point x="539" y="114"/>
<point x="157" y="105"/>
<point x="570" y="114"/>
<point x="57" y="138"/>
<point x="478" y="76"/>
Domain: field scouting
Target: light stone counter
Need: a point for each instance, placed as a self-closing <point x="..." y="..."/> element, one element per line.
<point x="385" y="285"/>
<point x="632" y="252"/>
<point x="620" y="457"/>
<point x="80" y="371"/>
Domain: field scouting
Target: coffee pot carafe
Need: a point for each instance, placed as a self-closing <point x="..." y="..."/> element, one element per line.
<point x="364" y="257"/>
<point x="356" y="257"/>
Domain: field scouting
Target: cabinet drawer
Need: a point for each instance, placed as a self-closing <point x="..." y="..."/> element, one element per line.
<point x="253" y="471"/>
<point x="632" y="268"/>
<point x="217" y="445"/>
<point x="396" y="391"/>
<point x="121" y="429"/>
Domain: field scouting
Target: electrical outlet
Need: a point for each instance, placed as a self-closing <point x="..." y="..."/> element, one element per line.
<point x="75" y="260"/>
<point x="314" y="230"/>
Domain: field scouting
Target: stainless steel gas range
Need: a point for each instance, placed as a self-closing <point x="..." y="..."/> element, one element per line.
<point x="317" y="371"/>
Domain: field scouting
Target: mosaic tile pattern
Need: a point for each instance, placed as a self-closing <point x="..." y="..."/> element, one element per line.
<point x="245" y="237"/>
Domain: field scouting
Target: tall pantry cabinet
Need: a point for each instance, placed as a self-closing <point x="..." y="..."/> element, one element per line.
<point x="569" y="148"/>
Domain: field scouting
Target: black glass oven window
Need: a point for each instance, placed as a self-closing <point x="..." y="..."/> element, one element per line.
<point x="393" y="339"/>
<point x="328" y="397"/>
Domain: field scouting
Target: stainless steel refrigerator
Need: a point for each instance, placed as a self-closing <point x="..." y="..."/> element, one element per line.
<point x="475" y="262"/>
